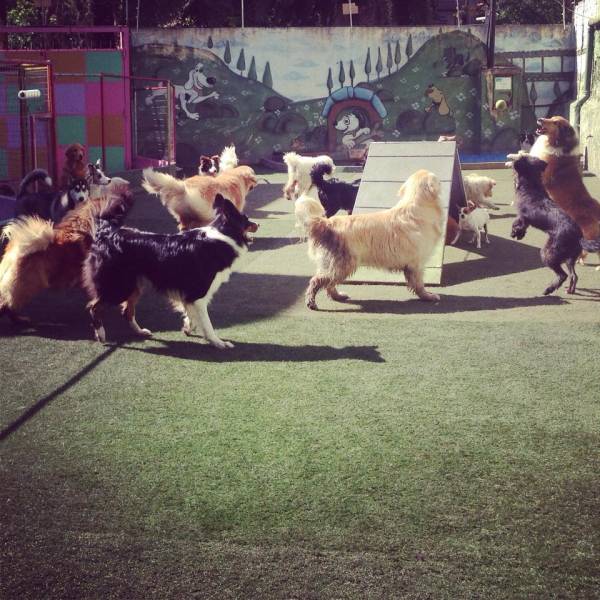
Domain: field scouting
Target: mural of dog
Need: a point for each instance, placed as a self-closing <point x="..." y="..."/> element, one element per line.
<point x="192" y="92"/>
<point x="352" y="130"/>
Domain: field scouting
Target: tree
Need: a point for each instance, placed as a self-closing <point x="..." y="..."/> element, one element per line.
<point x="252" y="70"/>
<point x="267" y="79"/>
<point x="241" y="63"/>
<point x="342" y="74"/>
<point x="368" y="65"/>
<point x="397" y="55"/>
<point x="409" y="47"/>
<point x="210" y="43"/>
<point x="227" y="55"/>
<point x="329" y="81"/>
<point x="389" y="63"/>
<point x="352" y="72"/>
<point x="379" y="65"/>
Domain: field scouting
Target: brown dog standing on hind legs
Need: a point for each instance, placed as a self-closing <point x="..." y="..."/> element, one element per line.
<point x="563" y="180"/>
<point x="401" y="238"/>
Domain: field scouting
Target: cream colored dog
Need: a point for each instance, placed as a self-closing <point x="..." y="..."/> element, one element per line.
<point x="478" y="190"/>
<point x="401" y="238"/>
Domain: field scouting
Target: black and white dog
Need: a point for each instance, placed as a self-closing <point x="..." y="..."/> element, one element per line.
<point x="97" y="179"/>
<point x="536" y="209"/>
<point x="526" y="141"/>
<point x="187" y="267"/>
<point x="334" y="194"/>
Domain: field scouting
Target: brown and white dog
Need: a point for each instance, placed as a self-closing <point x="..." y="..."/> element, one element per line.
<point x="40" y="255"/>
<point x="74" y="166"/>
<point x="557" y="145"/>
<point x="191" y="200"/>
<point x="401" y="238"/>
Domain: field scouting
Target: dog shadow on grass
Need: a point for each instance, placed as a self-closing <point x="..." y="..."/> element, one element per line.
<point x="197" y="350"/>
<point x="448" y="304"/>
<point x="501" y="257"/>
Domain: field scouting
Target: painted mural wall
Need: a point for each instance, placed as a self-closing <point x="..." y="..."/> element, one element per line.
<point x="337" y="90"/>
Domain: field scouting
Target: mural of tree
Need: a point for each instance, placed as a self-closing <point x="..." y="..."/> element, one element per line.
<point x="329" y="81"/>
<point x="368" y="65"/>
<point x="352" y="73"/>
<point x="342" y="74"/>
<point x="389" y="62"/>
<point x="267" y="79"/>
<point x="227" y="55"/>
<point x="241" y="63"/>
<point x="409" y="48"/>
<point x="397" y="55"/>
<point x="252" y="70"/>
<point x="533" y="95"/>
<point x="210" y="41"/>
<point x="379" y="65"/>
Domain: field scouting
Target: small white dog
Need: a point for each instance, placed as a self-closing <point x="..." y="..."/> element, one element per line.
<point x="299" y="167"/>
<point x="478" y="190"/>
<point x="475" y="220"/>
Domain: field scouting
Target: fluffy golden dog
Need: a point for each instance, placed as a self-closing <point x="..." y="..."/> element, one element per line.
<point x="563" y="179"/>
<point x="39" y="255"/>
<point x="190" y="200"/>
<point x="479" y="189"/>
<point x="401" y="238"/>
<point x="74" y="166"/>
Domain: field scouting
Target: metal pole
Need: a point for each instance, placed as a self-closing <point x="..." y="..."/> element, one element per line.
<point x="492" y="35"/>
<point x="242" y="14"/>
<point x="350" y="12"/>
<point x="102" y="120"/>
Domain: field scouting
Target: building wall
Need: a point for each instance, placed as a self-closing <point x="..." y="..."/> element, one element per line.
<point x="335" y="90"/>
<point x="588" y="108"/>
<point x="77" y="95"/>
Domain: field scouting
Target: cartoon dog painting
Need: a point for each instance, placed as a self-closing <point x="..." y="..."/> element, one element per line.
<point x="353" y="132"/>
<point x="192" y="92"/>
<point x="438" y="100"/>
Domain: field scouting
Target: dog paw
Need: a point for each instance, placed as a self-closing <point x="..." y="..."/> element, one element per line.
<point x="100" y="335"/>
<point x="312" y="305"/>
<point x="221" y="344"/>
<point x="145" y="333"/>
<point x="548" y="291"/>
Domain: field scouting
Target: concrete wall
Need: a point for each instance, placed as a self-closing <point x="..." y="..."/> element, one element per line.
<point x="336" y="90"/>
<point x="588" y="108"/>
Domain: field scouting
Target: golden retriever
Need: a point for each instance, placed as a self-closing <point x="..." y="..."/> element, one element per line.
<point x="401" y="238"/>
<point x="190" y="200"/>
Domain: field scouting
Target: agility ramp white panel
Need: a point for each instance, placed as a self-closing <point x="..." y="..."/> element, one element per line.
<point x="388" y="166"/>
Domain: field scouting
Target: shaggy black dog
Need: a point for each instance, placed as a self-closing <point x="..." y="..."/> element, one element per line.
<point x="536" y="209"/>
<point x="187" y="267"/>
<point x="333" y="193"/>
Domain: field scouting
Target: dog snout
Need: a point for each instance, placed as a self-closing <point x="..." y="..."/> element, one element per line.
<point x="252" y="227"/>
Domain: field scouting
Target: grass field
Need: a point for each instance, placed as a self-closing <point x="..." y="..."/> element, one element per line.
<point x="384" y="448"/>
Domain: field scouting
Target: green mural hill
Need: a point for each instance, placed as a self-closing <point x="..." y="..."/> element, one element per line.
<point x="437" y="90"/>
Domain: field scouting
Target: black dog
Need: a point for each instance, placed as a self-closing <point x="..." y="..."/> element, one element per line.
<point x="536" y="209"/>
<point x="333" y="193"/>
<point x="29" y="203"/>
<point x="188" y="267"/>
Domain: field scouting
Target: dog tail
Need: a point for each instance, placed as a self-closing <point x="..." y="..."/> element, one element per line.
<point x="308" y="211"/>
<point x="318" y="171"/>
<point x="228" y="159"/>
<point x="161" y="184"/>
<point x="35" y="175"/>
<point x="591" y="245"/>
<point x="25" y="236"/>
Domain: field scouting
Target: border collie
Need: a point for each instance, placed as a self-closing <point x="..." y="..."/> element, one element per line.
<point x="526" y="141"/>
<point x="97" y="179"/>
<point x="187" y="267"/>
<point x="218" y="163"/>
<point x="333" y="193"/>
<point x="536" y="209"/>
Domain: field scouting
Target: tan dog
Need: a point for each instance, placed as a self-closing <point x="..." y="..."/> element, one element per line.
<point x="562" y="178"/>
<point x="479" y="189"/>
<point x="190" y="200"/>
<point x="74" y="167"/>
<point x="401" y="238"/>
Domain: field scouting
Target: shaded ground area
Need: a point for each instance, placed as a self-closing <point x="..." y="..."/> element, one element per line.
<point x="382" y="448"/>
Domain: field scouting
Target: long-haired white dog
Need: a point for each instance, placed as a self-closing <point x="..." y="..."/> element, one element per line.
<point x="478" y="190"/>
<point x="401" y="238"/>
<point x="299" y="167"/>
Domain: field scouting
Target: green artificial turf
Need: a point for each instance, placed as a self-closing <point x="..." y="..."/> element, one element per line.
<point x="384" y="448"/>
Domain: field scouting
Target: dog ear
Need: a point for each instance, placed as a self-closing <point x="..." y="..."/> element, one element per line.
<point x="91" y="169"/>
<point x="567" y="138"/>
<point x="219" y="202"/>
